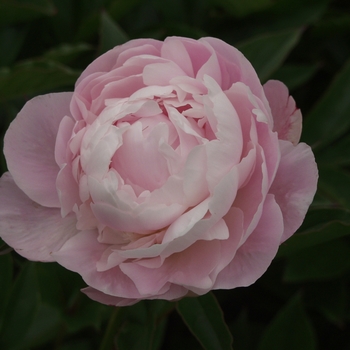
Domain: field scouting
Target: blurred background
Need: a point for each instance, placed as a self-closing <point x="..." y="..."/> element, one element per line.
<point x="303" y="301"/>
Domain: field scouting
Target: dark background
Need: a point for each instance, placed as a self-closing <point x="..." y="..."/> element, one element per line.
<point x="302" y="302"/>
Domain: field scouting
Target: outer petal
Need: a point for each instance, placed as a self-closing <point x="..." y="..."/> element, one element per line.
<point x="237" y="66"/>
<point x="29" y="147"/>
<point x="81" y="254"/>
<point x="255" y="255"/>
<point x="295" y="184"/>
<point x="175" y="292"/>
<point x="103" y="298"/>
<point x="107" y="61"/>
<point x="287" y="118"/>
<point x="32" y="230"/>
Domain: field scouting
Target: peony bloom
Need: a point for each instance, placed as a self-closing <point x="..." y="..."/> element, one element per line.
<point x="169" y="171"/>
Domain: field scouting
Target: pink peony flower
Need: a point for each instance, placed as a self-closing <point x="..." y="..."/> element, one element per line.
<point x="169" y="171"/>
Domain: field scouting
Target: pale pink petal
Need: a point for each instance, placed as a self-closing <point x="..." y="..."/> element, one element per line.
<point x="240" y="68"/>
<point x="161" y="73"/>
<point x="193" y="267"/>
<point x="173" y="49"/>
<point x="29" y="146"/>
<point x="64" y="134"/>
<point x="67" y="189"/>
<point x="287" y="117"/>
<point x="155" y="217"/>
<point x="195" y="184"/>
<point x="197" y="223"/>
<point x="255" y="189"/>
<point x="245" y="103"/>
<point x="103" y="298"/>
<point x="198" y="53"/>
<point x="269" y="143"/>
<point x="139" y="47"/>
<point x="295" y="184"/>
<point x="255" y="255"/>
<point x="81" y="254"/>
<point x="210" y="68"/>
<point x="173" y="293"/>
<point x="234" y="223"/>
<point x="35" y="232"/>
<point x="117" y="55"/>
<point x="190" y="268"/>
<point x="226" y="151"/>
<point x="138" y="160"/>
<point x="121" y="88"/>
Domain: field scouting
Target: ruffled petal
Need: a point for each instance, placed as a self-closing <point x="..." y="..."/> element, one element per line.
<point x="29" y="147"/>
<point x="240" y="69"/>
<point x="119" y="54"/>
<point x="35" y="232"/>
<point x="81" y="254"/>
<point x="287" y="117"/>
<point x="294" y="189"/>
<point x="173" y="293"/>
<point x="254" y="257"/>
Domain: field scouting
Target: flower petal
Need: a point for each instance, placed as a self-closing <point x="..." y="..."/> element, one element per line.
<point x="35" y="232"/>
<point x="255" y="255"/>
<point x="29" y="147"/>
<point x="287" y="117"/>
<point x="294" y="189"/>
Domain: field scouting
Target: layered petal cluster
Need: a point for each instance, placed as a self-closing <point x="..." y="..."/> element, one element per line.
<point x="169" y="171"/>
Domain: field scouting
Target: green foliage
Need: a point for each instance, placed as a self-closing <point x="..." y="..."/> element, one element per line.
<point x="267" y="52"/>
<point x="303" y="301"/>
<point x="34" y="77"/>
<point x="24" y="10"/>
<point x="111" y="33"/>
<point x="329" y="119"/>
<point x="244" y="8"/>
<point x="146" y="319"/>
<point x="290" y="329"/>
<point x="204" y="318"/>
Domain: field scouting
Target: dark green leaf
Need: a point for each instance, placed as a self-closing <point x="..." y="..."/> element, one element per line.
<point x="320" y="226"/>
<point x="243" y="332"/>
<point x="34" y="77"/>
<point x="294" y="13"/>
<point x="335" y="183"/>
<point x="289" y="330"/>
<point x="174" y="11"/>
<point x="51" y="291"/>
<point x="78" y="344"/>
<point x="12" y="11"/>
<point x="318" y="218"/>
<point x="66" y="53"/>
<point x="147" y="319"/>
<point x="338" y="153"/>
<point x="111" y="33"/>
<point x="283" y="15"/>
<point x="243" y="8"/>
<point x="6" y="268"/>
<point x="85" y="313"/>
<point x="44" y="326"/>
<point x="329" y="298"/>
<point x="11" y="40"/>
<point x="267" y="52"/>
<point x="21" y="308"/>
<point x="321" y="262"/>
<point x="118" y="9"/>
<point x="294" y="75"/>
<point x="204" y="318"/>
<point x="329" y="119"/>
